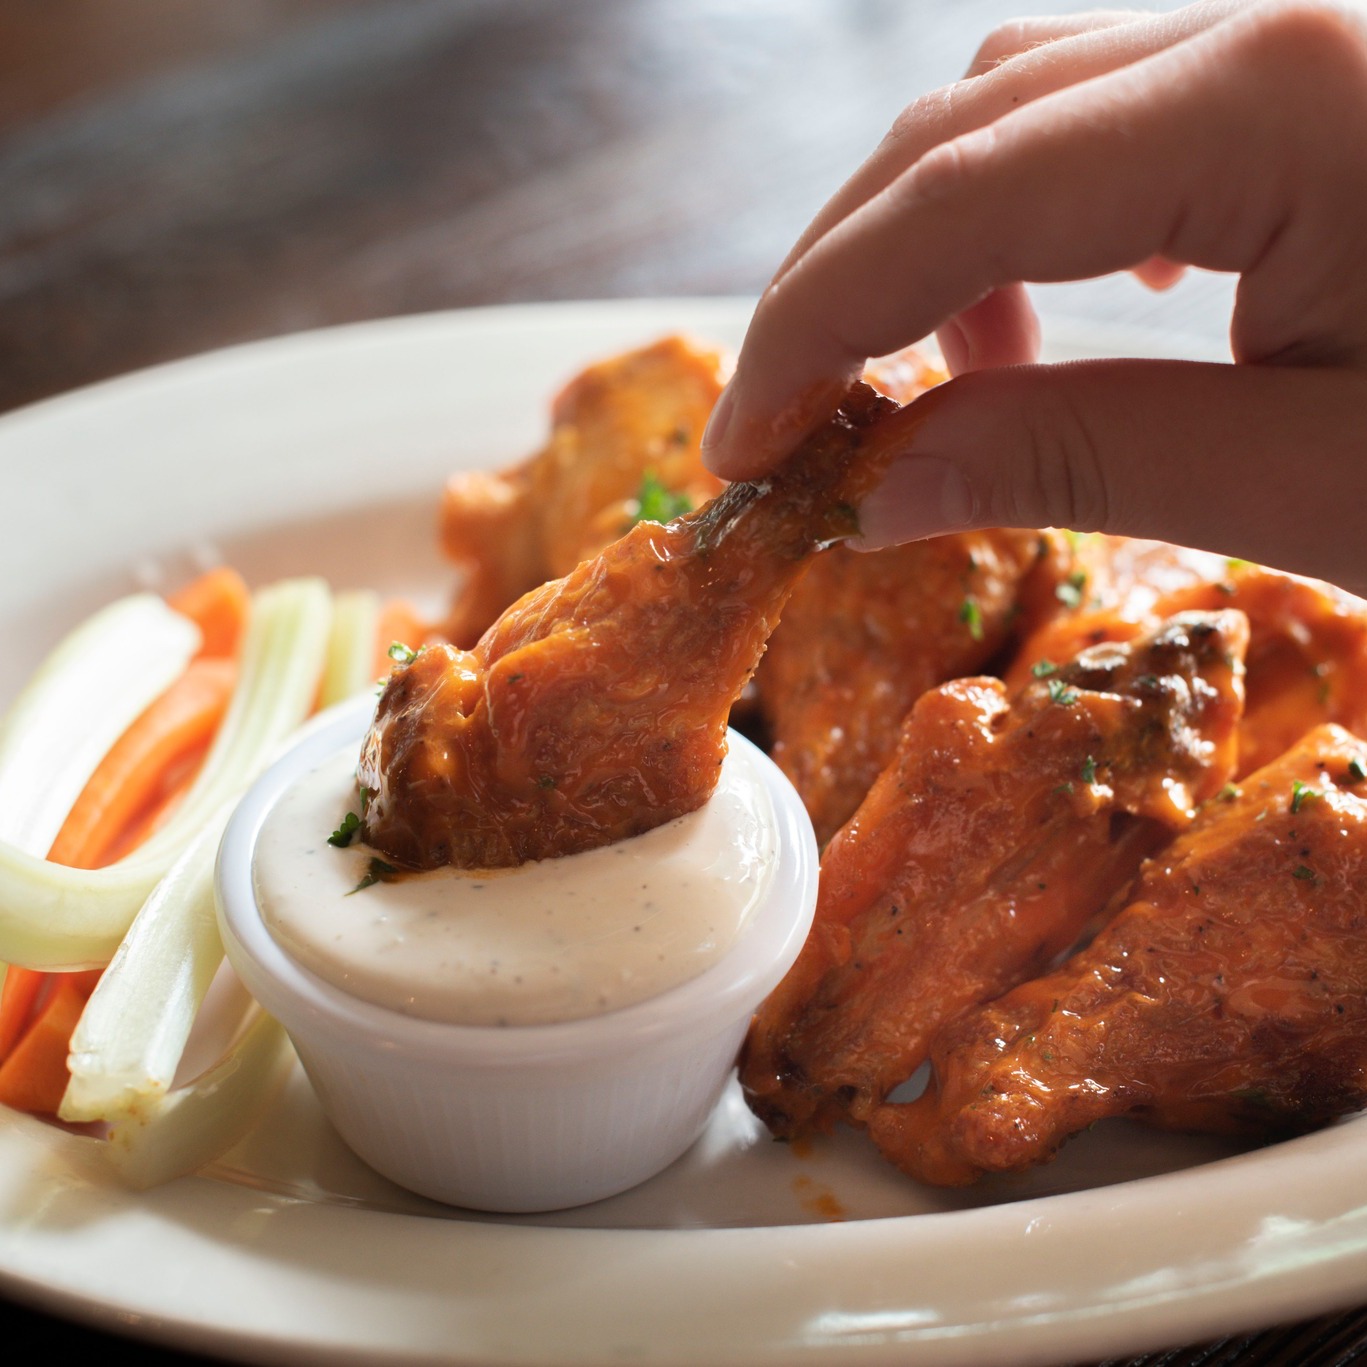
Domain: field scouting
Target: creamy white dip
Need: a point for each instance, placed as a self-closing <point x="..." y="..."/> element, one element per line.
<point x="551" y="941"/>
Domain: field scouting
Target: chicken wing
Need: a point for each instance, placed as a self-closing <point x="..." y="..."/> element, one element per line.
<point x="616" y="426"/>
<point x="596" y="706"/>
<point x="621" y="430"/>
<point x="1307" y="649"/>
<point x="1000" y="829"/>
<point x="862" y="638"/>
<point x="1230" y="995"/>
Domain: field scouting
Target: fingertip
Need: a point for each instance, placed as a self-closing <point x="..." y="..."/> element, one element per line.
<point x="747" y="435"/>
<point x="733" y="446"/>
<point x="1001" y="329"/>
<point x="713" y="449"/>
<point x="954" y="346"/>
<point x="917" y="497"/>
<point x="1158" y="273"/>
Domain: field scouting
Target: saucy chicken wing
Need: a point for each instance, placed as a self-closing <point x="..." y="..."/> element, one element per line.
<point x="1230" y="995"/>
<point x="596" y="706"/>
<point x="1307" y="648"/>
<point x="1001" y="828"/>
<point x="624" y="436"/>
<point x="863" y="636"/>
<point x="615" y="427"/>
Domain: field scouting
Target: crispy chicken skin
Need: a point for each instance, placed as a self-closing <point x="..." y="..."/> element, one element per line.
<point x="1307" y="649"/>
<point x="596" y="706"/>
<point x="1230" y="995"/>
<point x="1001" y="828"/>
<point x="862" y="638"/>
<point x="636" y="414"/>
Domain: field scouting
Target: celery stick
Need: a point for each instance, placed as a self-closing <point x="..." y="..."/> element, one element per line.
<point x="128" y="1044"/>
<point x="182" y="1131"/>
<point x="351" y="648"/>
<point x="58" y="918"/>
<point x="281" y="665"/>
<point x="81" y="699"/>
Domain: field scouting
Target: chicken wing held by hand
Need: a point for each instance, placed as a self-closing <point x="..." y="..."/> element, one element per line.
<point x="617" y="428"/>
<point x="635" y="415"/>
<point x="1230" y="995"/>
<point x="998" y="831"/>
<point x="596" y="706"/>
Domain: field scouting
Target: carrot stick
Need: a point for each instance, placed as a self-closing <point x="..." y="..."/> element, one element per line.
<point x="218" y="603"/>
<point x="17" y="997"/>
<point x="176" y="782"/>
<point x="134" y="773"/>
<point x="399" y="621"/>
<point x="149" y="764"/>
<point x="34" y="1077"/>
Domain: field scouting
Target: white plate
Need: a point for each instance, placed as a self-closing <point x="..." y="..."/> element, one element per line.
<point x="325" y="453"/>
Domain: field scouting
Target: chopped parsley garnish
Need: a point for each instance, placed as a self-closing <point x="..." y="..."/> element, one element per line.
<point x="377" y="871"/>
<point x="1064" y="788"/>
<point x="657" y="502"/>
<point x="342" y="836"/>
<point x="1069" y="593"/>
<point x="401" y="653"/>
<point x="1229" y="792"/>
<point x="971" y="615"/>
<point x="1306" y="875"/>
<point x="1042" y="669"/>
<point x="1089" y="770"/>
<point x="1356" y="769"/>
<point x="545" y="781"/>
<point x="1300" y="795"/>
<point x="1060" y="693"/>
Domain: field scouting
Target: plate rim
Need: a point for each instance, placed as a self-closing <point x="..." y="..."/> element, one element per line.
<point x="1301" y="1250"/>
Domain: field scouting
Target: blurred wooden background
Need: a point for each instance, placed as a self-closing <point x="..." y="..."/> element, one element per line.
<point x="177" y="175"/>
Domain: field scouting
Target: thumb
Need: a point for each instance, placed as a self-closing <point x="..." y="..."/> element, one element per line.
<point x="1267" y="463"/>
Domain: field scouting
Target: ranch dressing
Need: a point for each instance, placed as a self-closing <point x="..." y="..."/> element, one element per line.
<point x="555" y="940"/>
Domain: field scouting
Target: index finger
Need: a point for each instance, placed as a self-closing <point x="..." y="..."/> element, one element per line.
<point x="973" y="103"/>
<point x="1202" y="153"/>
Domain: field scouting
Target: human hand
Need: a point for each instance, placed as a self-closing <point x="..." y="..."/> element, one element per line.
<point x="1227" y="135"/>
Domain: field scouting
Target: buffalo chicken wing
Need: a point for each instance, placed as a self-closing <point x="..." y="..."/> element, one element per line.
<point x="864" y="636"/>
<point x="1001" y="828"/>
<point x="632" y="421"/>
<point x="1230" y="995"/>
<point x="1307" y="646"/>
<point x="596" y="707"/>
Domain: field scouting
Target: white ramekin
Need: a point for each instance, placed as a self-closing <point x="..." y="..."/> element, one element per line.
<point x="517" y="1118"/>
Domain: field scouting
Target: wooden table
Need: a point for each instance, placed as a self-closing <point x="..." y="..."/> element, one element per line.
<point x="175" y="177"/>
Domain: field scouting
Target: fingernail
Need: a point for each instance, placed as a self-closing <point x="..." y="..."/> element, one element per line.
<point x="918" y="496"/>
<point x="955" y="346"/>
<point x="714" y="434"/>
